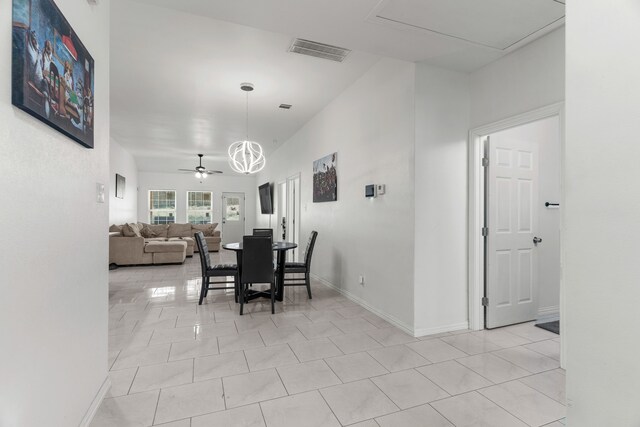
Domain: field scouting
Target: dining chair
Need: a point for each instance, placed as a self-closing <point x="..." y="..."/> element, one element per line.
<point x="257" y="267"/>
<point x="301" y="267"/>
<point x="218" y="270"/>
<point x="263" y="232"/>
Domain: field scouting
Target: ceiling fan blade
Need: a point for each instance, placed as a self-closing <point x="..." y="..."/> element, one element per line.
<point x="213" y="172"/>
<point x="187" y="170"/>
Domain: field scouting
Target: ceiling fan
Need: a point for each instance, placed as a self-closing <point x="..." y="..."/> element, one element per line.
<point x="200" y="171"/>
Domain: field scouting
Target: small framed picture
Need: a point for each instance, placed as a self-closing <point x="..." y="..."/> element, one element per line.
<point x="120" y="184"/>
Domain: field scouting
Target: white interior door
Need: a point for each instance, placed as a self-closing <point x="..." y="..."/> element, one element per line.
<point x="512" y="222"/>
<point x="281" y="196"/>
<point x="293" y="215"/>
<point x="233" y="217"/>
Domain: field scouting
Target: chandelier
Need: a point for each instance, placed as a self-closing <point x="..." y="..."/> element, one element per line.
<point x="246" y="156"/>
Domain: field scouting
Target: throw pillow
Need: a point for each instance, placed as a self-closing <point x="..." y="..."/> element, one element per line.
<point x="131" y="230"/>
<point x="115" y="229"/>
<point x="207" y="229"/>
<point x="148" y="233"/>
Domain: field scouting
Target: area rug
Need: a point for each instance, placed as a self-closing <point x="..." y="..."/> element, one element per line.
<point x="550" y="326"/>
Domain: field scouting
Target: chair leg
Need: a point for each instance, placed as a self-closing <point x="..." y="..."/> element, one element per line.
<point x="241" y="298"/>
<point x="308" y="283"/>
<point x="203" y="289"/>
<point x="273" y="297"/>
<point x="206" y="289"/>
<point x="236" y="287"/>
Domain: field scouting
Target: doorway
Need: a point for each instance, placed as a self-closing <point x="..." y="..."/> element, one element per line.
<point x="233" y="217"/>
<point x="288" y="211"/>
<point x="293" y="216"/>
<point x="515" y="219"/>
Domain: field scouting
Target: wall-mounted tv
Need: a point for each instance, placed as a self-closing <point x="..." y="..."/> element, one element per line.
<point x="266" y="199"/>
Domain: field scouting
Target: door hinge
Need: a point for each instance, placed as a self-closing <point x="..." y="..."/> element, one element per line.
<point x="485" y="162"/>
<point x="485" y="231"/>
<point x="485" y="301"/>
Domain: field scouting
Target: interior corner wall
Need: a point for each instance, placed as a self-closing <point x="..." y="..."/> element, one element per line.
<point x="53" y="268"/>
<point x="602" y="214"/>
<point x="528" y="78"/>
<point x="371" y="127"/>
<point x="121" y="162"/>
<point x="442" y="124"/>
<point x="182" y="183"/>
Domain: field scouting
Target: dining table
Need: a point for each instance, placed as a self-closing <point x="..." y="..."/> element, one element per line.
<point x="281" y="249"/>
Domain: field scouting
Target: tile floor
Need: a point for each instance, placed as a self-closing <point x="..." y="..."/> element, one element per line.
<point x="320" y="362"/>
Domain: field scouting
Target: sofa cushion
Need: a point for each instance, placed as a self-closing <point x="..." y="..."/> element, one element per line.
<point x="207" y="229"/>
<point x="131" y="230"/>
<point x="179" y="230"/>
<point x="147" y="232"/>
<point x="160" y="230"/>
<point x="115" y="228"/>
<point x="165" y="247"/>
<point x="155" y="239"/>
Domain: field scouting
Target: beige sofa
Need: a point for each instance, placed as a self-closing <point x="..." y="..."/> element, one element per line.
<point x="139" y="243"/>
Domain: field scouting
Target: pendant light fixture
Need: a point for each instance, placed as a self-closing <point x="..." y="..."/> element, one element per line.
<point x="246" y="156"/>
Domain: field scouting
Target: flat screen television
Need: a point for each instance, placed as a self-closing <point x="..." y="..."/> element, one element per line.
<point x="266" y="205"/>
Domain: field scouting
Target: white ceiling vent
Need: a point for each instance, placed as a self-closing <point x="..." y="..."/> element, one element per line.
<point x="319" y="50"/>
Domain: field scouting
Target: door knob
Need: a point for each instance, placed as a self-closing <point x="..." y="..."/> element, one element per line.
<point x="536" y="240"/>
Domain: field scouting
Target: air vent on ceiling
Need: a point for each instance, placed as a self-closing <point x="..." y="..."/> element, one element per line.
<point x="285" y="106"/>
<point x="319" y="50"/>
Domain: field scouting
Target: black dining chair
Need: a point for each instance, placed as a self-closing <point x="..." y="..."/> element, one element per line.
<point x="218" y="270"/>
<point x="257" y="267"/>
<point x="301" y="267"/>
<point x="263" y="232"/>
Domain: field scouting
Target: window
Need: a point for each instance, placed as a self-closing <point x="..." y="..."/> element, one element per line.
<point x="162" y="206"/>
<point x="199" y="207"/>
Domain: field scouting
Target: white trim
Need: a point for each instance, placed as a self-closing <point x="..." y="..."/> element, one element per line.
<point x="95" y="404"/>
<point x="548" y="314"/>
<point x="440" y="329"/>
<point x="389" y="318"/>
<point x="476" y="253"/>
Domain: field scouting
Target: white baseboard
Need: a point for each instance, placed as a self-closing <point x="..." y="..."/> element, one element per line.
<point x="440" y="329"/>
<point x="389" y="318"/>
<point x="95" y="404"/>
<point x="548" y="314"/>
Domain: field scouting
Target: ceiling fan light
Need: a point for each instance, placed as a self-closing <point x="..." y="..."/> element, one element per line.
<point x="198" y="175"/>
<point x="204" y="174"/>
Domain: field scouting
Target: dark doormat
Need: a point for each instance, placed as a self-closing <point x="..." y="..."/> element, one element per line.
<point x="550" y="326"/>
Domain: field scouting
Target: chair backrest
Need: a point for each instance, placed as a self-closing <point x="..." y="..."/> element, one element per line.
<point x="309" y="251"/>
<point x="203" y="250"/>
<point x="263" y="232"/>
<point x="257" y="259"/>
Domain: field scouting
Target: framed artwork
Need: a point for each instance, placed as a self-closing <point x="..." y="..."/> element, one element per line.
<point x="52" y="71"/>
<point x="325" y="179"/>
<point x="120" y="184"/>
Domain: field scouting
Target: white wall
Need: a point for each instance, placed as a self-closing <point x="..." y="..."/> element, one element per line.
<point x="602" y="215"/>
<point x="529" y="78"/>
<point x="122" y="163"/>
<point x="371" y="127"/>
<point x="546" y="135"/>
<point x="442" y="125"/>
<point x="53" y="264"/>
<point x="188" y="182"/>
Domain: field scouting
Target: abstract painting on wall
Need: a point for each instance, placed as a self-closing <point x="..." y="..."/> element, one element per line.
<point x="52" y="71"/>
<point x="325" y="179"/>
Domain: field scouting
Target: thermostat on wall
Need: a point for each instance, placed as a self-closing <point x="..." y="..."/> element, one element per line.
<point x="381" y="189"/>
<point x="370" y="190"/>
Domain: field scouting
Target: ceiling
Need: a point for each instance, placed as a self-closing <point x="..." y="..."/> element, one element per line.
<point x="176" y="65"/>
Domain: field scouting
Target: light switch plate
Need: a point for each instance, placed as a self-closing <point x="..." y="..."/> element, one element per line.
<point x="99" y="192"/>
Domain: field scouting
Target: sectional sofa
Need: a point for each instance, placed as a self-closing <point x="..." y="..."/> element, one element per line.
<point x="140" y="243"/>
